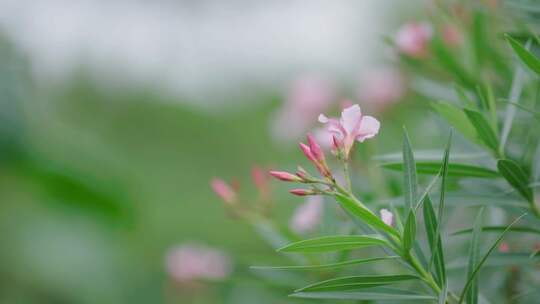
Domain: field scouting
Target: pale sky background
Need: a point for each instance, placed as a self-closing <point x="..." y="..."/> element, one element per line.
<point x="207" y="51"/>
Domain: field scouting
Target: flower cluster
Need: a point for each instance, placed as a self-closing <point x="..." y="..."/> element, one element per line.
<point x="190" y="263"/>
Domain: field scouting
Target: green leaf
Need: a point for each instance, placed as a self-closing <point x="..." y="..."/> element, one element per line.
<point x="499" y="229"/>
<point x="516" y="177"/>
<point x="334" y="243"/>
<point x="430" y="222"/>
<point x="326" y="266"/>
<point x="443" y="294"/>
<point x="483" y="260"/>
<point x="462" y="95"/>
<point x="454" y="169"/>
<point x="357" y="282"/>
<point x="528" y="58"/>
<point x="357" y="209"/>
<point x="447" y="61"/>
<point x="474" y="252"/>
<point x="437" y="256"/>
<point x="526" y="109"/>
<point x="373" y="294"/>
<point x="410" y="182"/>
<point x="483" y="128"/>
<point x="456" y="118"/>
<point x="409" y="231"/>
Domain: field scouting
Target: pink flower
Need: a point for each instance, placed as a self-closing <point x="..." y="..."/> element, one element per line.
<point x="412" y="39"/>
<point x="308" y="96"/>
<point x="192" y="262"/>
<point x="382" y="87"/>
<point x="504" y="247"/>
<point x="387" y="217"/>
<point x="307" y="216"/>
<point x="351" y="127"/>
<point x="223" y="190"/>
<point x="451" y="35"/>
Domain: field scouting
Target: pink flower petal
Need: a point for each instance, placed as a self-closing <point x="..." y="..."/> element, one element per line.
<point x="369" y="127"/>
<point x="350" y="118"/>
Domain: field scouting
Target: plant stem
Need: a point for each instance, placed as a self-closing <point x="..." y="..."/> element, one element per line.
<point x="347" y="175"/>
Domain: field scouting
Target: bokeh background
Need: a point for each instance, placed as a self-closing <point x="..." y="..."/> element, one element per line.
<point x="114" y="116"/>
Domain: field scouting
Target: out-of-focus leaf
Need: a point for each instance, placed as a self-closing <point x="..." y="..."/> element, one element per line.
<point x="465" y="100"/>
<point x="326" y="266"/>
<point x="450" y="64"/>
<point x="454" y="169"/>
<point x="357" y="282"/>
<point x="474" y="253"/>
<point x="478" y="266"/>
<point x="358" y="210"/>
<point x="334" y="243"/>
<point x="373" y="294"/>
<point x="443" y="294"/>
<point x="528" y="58"/>
<point x="516" y="177"/>
<point x="457" y="119"/>
<point x="500" y="229"/>
<point x="430" y="222"/>
<point x="483" y="129"/>
<point x="526" y="109"/>
<point x="409" y="231"/>
<point x="410" y="182"/>
<point x="497" y="260"/>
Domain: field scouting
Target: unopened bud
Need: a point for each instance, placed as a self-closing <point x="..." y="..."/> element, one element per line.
<point x="308" y="153"/>
<point x="285" y="176"/>
<point x="301" y="192"/>
<point x="301" y="173"/>
<point x="223" y="190"/>
<point x="315" y="149"/>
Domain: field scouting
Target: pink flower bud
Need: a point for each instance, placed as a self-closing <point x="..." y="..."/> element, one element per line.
<point x="504" y="247"/>
<point x="301" y="192"/>
<point x="285" y="176"/>
<point x="412" y="39"/>
<point x="223" y="190"/>
<point x="301" y="173"/>
<point x="452" y="36"/>
<point x="315" y="149"/>
<point x="387" y="217"/>
<point x="308" y="153"/>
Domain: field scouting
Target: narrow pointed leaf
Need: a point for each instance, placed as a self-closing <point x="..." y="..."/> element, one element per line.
<point x="372" y="294"/>
<point x="410" y="182"/>
<point x="516" y="177"/>
<point x="528" y="58"/>
<point x="454" y="169"/>
<point x="500" y="229"/>
<point x="357" y="282"/>
<point x="484" y="258"/>
<point x="326" y="266"/>
<point x="474" y="253"/>
<point x="409" y="231"/>
<point x="430" y="222"/>
<point x="358" y="210"/>
<point x="437" y="256"/>
<point x="334" y="243"/>
<point x="443" y="294"/>
<point x="457" y="118"/>
<point x="483" y="129"/>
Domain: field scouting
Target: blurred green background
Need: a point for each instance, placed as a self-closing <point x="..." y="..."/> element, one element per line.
<point x="97" y="183"/>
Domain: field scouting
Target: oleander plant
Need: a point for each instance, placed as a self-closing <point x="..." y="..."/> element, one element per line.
<point x="456" y="224"/>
